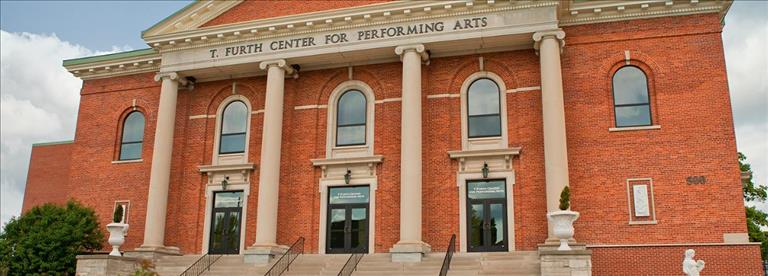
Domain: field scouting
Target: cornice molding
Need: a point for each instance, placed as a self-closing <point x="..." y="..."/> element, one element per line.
<point x="401" y="11"/>
<point x="116" y="67"/>
<point x="609" y="11"/>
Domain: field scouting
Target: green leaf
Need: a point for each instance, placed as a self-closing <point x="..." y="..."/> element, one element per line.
<point x="46" y="239"/>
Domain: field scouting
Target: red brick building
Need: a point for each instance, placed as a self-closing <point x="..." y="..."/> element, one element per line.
<point x="386" y="127"/>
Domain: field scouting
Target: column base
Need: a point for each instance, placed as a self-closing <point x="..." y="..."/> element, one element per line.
<point x="576" y="262"/>
<point x="263" y="253"/>
<point x="409" y="251"/>
<point x="153" y="252"/>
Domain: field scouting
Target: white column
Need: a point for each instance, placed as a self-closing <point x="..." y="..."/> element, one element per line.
<point x="157" y="199"/>
<point x="549" y="45"/>
<point x="410" y="247"/>
<point x="266" y="245"/>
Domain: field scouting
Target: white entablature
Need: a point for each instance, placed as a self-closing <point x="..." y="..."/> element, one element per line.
<point x="182" y="33"/>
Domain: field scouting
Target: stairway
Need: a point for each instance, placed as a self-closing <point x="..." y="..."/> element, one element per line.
<point x="381" y="264"/>
<point x="519" y="263"/>
<point x="227" y="265"/>
<point x="320" y="265"/>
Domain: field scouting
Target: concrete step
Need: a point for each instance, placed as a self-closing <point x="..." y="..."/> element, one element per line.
<point x="462" y="264"/>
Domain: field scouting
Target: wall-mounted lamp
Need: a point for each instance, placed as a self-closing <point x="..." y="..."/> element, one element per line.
<point x="485" y="170"/>
<point x="224" y="183"/>
<point x="347" y="176"/>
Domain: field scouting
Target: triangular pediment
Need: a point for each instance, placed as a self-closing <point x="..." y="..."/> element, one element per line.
<point x="190" y="17"/>
<point x="210" y="13"/>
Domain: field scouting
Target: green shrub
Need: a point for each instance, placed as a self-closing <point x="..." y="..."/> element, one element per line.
<point x="118" y="215"/>
<point x="565" y="199"/>
<point x="46" y="239"/>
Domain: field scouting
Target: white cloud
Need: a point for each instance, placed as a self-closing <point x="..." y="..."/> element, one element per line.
<point x="38" y="103"/>
<point x="745" y="38"/>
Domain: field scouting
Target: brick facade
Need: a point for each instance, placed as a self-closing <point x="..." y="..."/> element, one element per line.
<point x="48" y="175"/>
<point x="682" y="57"/>
<point x="742" y="260"/>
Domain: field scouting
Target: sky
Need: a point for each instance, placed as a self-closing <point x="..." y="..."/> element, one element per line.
<point x="39" y="98"/>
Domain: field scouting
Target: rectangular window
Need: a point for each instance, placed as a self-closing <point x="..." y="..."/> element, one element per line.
<point x="130" y="151"/>
<point x="484" y="125"/>
<point x="633" y="115"/>
<point x="640" y="201"/>
<point x="350" y="135"/>
<point x="232" y="143"/>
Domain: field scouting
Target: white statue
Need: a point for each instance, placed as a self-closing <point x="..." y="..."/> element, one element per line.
<point x="691" y="267"/>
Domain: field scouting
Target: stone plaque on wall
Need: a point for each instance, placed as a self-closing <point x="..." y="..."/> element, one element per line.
<point x="641" y="200"/>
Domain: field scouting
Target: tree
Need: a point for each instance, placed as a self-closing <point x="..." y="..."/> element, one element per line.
<point x="756" y="219"/>
<point x="46" y="239"/>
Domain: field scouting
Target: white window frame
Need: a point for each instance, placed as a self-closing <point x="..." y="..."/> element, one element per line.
<point x="216" y="187"/>
<point x="500" y="142"/>
<point x="231" y="158"/>
<point x="333" y="151"/>
<point x="372" y="183"/>
<point x="461" y="181"/>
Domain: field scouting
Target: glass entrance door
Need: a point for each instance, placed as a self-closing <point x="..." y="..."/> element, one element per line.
<point x="225" y="223"/>
<point x="347" y="220"/>
<point x="487" y="216"/>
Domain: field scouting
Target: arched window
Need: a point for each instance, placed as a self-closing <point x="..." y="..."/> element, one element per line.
<point x="351" y="118"/>
<point x="483" y="109"/>
<point x="234" y="121"/>
<point x="133" y="136"/>
<point x="631" y="102"/>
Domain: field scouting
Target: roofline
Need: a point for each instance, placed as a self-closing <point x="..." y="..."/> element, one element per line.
<point x="170" y="16"/>
<point x="53" y="143"/>
<point x="109" y="57"/>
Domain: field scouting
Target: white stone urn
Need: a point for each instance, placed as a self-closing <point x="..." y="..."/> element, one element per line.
<point x="562" y="226"/>
<point x="116" y="236"/>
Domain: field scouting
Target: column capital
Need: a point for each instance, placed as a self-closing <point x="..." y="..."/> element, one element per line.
<point x="558" y="34"/>
<point x="418" y="48"/>
<point x="280" y="63"/>
<point x="171" y="76"/>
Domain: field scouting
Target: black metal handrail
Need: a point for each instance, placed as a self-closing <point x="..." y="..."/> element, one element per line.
<point x="202" y="264"/>
<point x="351" y="264"/>
<point x="448" y="256"/>
<point x="284" y="262"/>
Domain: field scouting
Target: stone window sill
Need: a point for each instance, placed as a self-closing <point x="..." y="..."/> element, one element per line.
<point x="127" y="161"/>
<point x="615" y="129"/>
<point x="643" y="222"/>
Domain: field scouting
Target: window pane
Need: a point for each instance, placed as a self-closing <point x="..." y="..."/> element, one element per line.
<point x="484" y="126"/>
<point x="633" y="116"/>
<point x="350" y="135"/>
<point x="228" y="199"/>
<point x="351" y="108"/>
<point x="630" y="86"/>
<point x="133" y="127"/>
<point x="235" y="118"/>
<point x="483" y="97"/>
<point x="233" y="143"/>
<point x="130" y="151"/>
